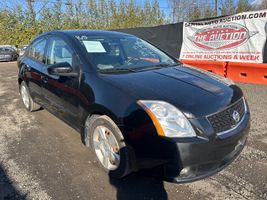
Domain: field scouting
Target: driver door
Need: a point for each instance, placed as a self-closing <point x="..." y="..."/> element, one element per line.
<point x="60" y="92"/>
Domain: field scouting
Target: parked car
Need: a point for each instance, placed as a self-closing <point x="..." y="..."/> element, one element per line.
<point x="8" y="54"/>
<point x="9" y="46"/>
<point x="135" y="106"/>
<point x="22" y="50"/>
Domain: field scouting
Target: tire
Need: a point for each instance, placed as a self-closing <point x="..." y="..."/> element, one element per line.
<point x="15" y="58"/>
<point x="94" y="125"/>
<point x="29" y="104"/>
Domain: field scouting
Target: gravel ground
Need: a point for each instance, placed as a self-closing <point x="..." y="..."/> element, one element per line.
<point x="43" y="158"/>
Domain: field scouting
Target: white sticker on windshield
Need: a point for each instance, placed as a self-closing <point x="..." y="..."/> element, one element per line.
<point x="94" y="47"/>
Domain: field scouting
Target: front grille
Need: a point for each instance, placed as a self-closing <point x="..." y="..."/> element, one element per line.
<point x="224" y="120"/>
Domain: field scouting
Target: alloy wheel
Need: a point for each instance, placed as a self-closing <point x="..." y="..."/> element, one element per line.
<point x="106" y="147"/>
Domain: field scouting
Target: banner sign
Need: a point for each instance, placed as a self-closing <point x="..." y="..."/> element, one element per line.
<point x="236" y="38"/>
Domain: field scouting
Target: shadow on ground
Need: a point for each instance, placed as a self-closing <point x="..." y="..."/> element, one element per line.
<point x="139" y="186"/>
<point x="7" y="189"/>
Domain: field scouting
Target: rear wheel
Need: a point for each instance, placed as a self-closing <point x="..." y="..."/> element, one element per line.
<point x="107" y="142"/>
<point x="29" y="104"/>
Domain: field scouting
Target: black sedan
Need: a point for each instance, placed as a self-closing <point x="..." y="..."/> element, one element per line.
<point x="135" y="106"/>
<point x="8" y="54"/>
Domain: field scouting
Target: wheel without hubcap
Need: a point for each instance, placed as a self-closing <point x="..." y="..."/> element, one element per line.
<point x="106" y="148"/>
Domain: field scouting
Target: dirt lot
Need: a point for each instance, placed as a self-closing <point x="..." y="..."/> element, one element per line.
<point x="43" y="158"/>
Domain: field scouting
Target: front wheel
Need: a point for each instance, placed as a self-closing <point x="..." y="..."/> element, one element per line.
<point x="107" y="142"/>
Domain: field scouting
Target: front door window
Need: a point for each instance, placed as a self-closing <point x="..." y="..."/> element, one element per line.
<point x="59" y="51"/>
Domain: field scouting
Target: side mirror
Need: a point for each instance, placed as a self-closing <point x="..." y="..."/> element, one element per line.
<point x="62" y="69"/>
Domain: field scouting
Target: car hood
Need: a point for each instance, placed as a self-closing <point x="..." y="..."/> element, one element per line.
<point x="195" y="92"/>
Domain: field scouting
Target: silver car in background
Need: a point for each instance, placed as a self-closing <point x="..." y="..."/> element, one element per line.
<point x="8" y="54"/>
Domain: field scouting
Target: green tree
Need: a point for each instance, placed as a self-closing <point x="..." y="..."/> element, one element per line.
<point x="57" y="14"/>
<point x="113" y="14"/>
<point x="243" y="6"/>
<point x="69" y="15"/>
<point x="79" y="14"/>
<point x="31" y="11"/>
<point x="195" y="13"/>
<point x="133" y="15"/>
<point x="92" y="14"/>
<point x="74" y="14"/>
<point x="157" y="15"/>
<point x="121" y="13"/>
<point x="103" y="14"/>
<point x="228" y="7"/>
<point x="147" y="12"/>
<point x="209" y="12"/>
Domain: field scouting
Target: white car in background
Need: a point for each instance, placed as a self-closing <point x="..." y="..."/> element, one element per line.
<point x="9" y="46"/>
<point x="22" y="50"/>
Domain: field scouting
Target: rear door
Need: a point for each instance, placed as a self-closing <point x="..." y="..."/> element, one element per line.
<point x="32" y="68"/>
<point x="3" y="54"/>
<point x="61" y="92"/>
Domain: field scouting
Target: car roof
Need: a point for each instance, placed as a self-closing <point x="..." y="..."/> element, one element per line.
<point x="73" y="33"/>
<point x="9" y="48"/>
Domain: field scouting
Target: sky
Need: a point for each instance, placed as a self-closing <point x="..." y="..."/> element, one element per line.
<point x="163" y="3"/>
<point x="257" y="1"/>
<point x="38" y="3"/>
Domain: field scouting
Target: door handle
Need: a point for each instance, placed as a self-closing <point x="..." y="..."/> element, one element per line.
<point x="44" y="79"/>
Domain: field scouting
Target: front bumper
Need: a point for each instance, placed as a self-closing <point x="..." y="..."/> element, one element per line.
<point x="202" y="158"/>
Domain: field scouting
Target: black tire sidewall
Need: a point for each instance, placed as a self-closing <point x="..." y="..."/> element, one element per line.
<point x="124" y="166"/>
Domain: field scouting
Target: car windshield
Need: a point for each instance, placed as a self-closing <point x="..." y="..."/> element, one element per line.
<point x="6" y="50"/>
<point x="124" y="53"/>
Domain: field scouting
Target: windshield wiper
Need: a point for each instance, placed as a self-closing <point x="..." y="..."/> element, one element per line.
<point x="175" y="64"/>
<point x="125" y="69"/>
<point x="158" y="66"/>
<point x="117" y="69"/>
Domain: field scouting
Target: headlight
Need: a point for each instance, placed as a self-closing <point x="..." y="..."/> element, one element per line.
<point x="168" y="120"/>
